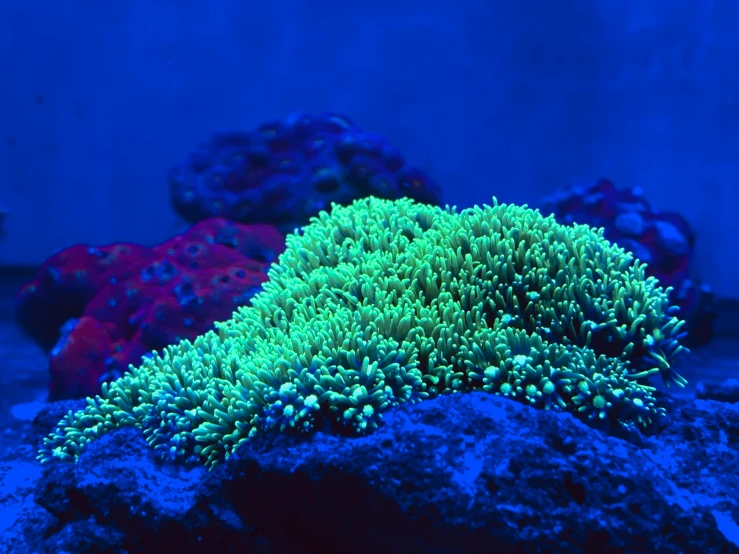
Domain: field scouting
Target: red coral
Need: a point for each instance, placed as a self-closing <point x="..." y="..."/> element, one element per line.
<point x="98" y="309"/>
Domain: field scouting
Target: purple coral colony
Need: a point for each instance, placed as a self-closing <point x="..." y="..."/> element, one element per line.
<point x="287" y="171"/>
<point x="105" y="307"/>
<point x="665" y="241"/>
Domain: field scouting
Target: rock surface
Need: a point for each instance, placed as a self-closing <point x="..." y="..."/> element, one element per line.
<point x="461" y="473"/>
<point x="728" y="391"/>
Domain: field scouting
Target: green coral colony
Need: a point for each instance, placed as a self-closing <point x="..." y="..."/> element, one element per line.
<point x="380" y="303"/>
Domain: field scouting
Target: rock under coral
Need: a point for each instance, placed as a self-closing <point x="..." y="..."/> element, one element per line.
<point x="99" y="309"/>
<point x="285" y="172"/>
<point x="665" y="241"/>
<point x="464" y="473"/>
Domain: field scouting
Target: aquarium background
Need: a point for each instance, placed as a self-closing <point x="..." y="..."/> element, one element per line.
<point x="512" y="99"/>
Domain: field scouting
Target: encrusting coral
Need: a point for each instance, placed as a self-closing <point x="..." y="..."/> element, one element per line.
<point x="384" y="302"/>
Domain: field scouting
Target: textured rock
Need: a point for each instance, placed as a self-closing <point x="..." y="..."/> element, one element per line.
<point x="461" y="473"/>
<point x="728" y="391"/>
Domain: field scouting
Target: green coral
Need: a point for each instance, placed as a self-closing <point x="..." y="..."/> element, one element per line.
<point x="382" y="302"/>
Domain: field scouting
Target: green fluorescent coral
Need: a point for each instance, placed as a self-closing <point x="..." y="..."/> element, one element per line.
<point x="383" y="302"/>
